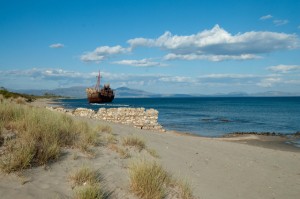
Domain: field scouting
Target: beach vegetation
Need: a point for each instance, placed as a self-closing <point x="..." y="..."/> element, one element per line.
<point x="185" y="190"/>
<point x="89" y="192"/>
<point x="104" y="129"/>
<point x="134" y="141"/>
<point x="148" y="179"/>
<point x="87" y="183"/>
<point x="122" y="152"/>
<point x="152" y="152"/>
<point x="40" y="134"/>
<point x="85" y="175"/>
<point x="111" y="139"/>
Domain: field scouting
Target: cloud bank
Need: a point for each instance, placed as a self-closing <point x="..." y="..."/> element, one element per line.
<point x="217" y="44"/>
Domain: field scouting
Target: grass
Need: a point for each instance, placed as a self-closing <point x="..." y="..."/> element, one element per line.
<point x="110" y="139"/>
<point x="89" y="192"/>
<point x="152" y="152"/>
<point x="104" y="129"/>
<point x="85" y="175"/>
<point x="40" y="134"/>
<point x="87" y="183"/>
<point x="185" y="190"/>
<point x="148" y="179"/>
<point x="134" y="141"/>
<point x="122" y="152"/>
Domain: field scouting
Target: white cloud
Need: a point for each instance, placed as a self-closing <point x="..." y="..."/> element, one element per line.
<point x="284" y="68"/>
<point x="102" y="53"/>
<point x="217" y="44"/>
<point x="280" y="22"/>
<point x="269" y="82"/>
<point x="266" y="17"/>
<point x="222" y="75"/>
<point x="215" y="58"/>
<point x="176" y="79"/>
<point x="58" y="45"/>
<point x="139" y="63"/>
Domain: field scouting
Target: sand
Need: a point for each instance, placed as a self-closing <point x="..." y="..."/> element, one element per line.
<point x="216" y="168"/>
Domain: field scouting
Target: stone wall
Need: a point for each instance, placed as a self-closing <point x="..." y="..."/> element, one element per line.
<point x="137" y="117"/>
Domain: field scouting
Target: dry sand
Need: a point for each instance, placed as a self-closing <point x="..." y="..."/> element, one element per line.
<point x="216" y="168"/>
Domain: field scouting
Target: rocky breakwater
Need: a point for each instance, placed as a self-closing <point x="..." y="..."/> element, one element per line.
<point x="137" y="117"/>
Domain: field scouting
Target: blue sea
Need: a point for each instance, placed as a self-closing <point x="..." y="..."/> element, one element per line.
<point x="214" y="116"/>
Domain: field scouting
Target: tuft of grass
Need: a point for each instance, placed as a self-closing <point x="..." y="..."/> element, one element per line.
<point x="87" y="136"/>
<point x="87" y="182"/>
<point x="148" y="179"/>
<point x="134" y="141"/>
<point x="20" y="100"/>
<point x="104" y="129"/>
<point x="111" y="139"/>
<point x="185" y="190"/>
<point x="85" y="175"/>
<point x="20" y="157"/>
<point x="152" y="152"/>
<point x="122" y="152"/>
<point x="89" y="192"/>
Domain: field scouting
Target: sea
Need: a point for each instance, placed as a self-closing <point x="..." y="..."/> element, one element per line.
<point x="214" y="116"/>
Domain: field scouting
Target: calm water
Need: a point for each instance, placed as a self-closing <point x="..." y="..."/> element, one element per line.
<point x="211" y="116"/>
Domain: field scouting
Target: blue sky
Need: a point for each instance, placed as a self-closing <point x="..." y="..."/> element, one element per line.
<point x="178" y="46"/>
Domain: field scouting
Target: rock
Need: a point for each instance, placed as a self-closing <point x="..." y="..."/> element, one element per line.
<point x="137" y="117"/>
<point x="84" y="112"/>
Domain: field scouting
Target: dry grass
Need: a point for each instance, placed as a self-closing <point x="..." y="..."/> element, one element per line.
<point x="110" y="139"/>
<point x="85" y="175"/>
<point x="89" y="192"/>
<point x="40" y="134"/>
<point x="104" y="129"/>
<point x="134" y="141"/>
<point x="185" y="189"/>
<point x="122" y="152"/>
<point x="152" y="152"/>
<point x="87" y="183"/>
<point x="148" y="179"/>
<point x="181" y="188"/>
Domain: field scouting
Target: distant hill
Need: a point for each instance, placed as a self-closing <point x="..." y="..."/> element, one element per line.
<point x="124" y="92"/>
<point x="75" y="92"/>
<point x="127" y="92"/>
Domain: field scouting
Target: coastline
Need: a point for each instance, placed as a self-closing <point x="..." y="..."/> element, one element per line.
<point x="265" y="140"/>
<point x="226" y="168"/>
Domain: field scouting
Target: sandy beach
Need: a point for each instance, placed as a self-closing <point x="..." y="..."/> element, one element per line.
<point x="216" y="168"/>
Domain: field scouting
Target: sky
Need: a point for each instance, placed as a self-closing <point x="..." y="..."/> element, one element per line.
<point x="160" y="46"/>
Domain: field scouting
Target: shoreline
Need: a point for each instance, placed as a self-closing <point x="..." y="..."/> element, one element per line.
<point x="268" y="140"/>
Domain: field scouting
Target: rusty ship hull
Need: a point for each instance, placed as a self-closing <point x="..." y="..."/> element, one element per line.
<point x="97" y="95"/>
<point x="98" y="98"/>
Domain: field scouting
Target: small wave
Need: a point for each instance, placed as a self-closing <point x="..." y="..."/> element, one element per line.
<point x="117" y="105"/>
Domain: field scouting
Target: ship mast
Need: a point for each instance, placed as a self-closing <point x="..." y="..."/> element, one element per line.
<point x="97" y="87"/>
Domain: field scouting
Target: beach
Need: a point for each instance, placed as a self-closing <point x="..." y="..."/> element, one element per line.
<point x="225" y="168"/>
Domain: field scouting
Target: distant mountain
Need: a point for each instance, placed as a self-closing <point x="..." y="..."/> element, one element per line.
<point x="275" y="94"/>
<point x="124" y="92"/>
<point x="76" y="91"/>
<point x="127" y="92"/>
